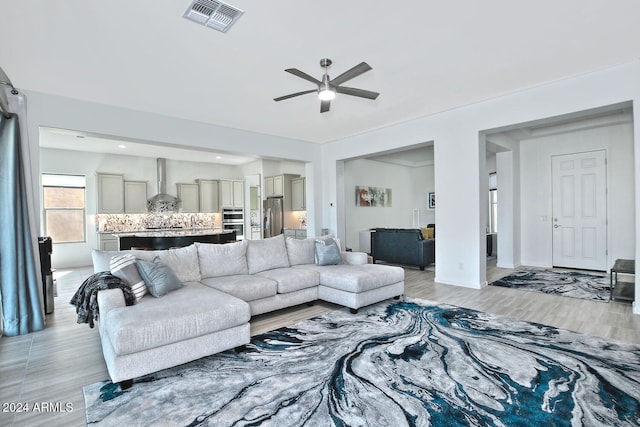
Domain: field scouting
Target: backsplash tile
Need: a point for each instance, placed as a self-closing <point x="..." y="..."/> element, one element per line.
<point x="136" y="222"/>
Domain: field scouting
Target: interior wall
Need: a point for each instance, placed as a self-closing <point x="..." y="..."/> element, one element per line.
<point x="133" y="168"/>
<point x="422" y="182"/>
<point x="535" y="160"/>
<point x="364" y="172"/>
<point x="455" y="132"/>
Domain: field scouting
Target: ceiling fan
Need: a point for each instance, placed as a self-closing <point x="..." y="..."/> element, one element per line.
<point x="327" y="88"/>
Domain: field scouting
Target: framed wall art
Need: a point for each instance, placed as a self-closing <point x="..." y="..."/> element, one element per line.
<point x="431" y="200"/>
<point x="373" y="196"/>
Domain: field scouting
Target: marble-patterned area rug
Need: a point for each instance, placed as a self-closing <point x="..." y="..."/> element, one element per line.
<point x="573" y="284"/>
<point x="405" y="362"/>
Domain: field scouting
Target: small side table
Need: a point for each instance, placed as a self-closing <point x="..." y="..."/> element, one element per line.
<point x="624" y="291"/>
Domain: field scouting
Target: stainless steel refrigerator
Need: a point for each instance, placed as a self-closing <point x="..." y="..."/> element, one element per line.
<point x="273" y="222"/>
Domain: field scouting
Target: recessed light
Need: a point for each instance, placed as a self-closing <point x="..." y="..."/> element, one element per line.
<point x="122" y="146"/>
<point x="218" y="157"/>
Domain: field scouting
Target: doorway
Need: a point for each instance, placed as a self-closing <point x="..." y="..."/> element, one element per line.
<point x="579" y="210"/>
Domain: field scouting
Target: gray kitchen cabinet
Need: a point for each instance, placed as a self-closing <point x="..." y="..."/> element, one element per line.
<point x="274" y="186"/>
<point x="107" y="242"/>
<point x="231" y="194"/>
<point x="298" y="199"/>
<point x="189" y="195"/>
<point x="110" y="193"/>
<point x="209" y="195"/>
<point x="135" y="196"/>
<point x="296" y="233"/>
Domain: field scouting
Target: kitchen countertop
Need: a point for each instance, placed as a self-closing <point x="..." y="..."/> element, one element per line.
<point x="171" y="232"/>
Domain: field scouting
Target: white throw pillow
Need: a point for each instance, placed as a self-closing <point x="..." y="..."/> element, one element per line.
<point x="124" y="268"/>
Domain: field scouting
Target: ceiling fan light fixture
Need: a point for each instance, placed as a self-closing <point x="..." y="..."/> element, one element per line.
<point x="326" y="94"/>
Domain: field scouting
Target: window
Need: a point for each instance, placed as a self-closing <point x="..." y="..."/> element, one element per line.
<point x="64" y="207"/>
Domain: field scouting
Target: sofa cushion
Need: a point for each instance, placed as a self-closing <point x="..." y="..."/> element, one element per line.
<point x="291" y="279"/>
<point x="267" y="254"/>
<point x="357" y="278"/>
<point x="158" y="277"/>
<point x="192" y="311"/>
<point x="243" y="286"/>
<point x="124" y="267"/>
<point x="182" y="261"/>
<point x="222" y="260"/>
<point x="300" y="251"/>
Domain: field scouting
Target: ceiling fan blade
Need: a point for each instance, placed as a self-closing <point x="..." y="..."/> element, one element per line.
<point x="324" y="106"/>
<point x="362" y="67"/>
<point x="357" y="92"/>
<point x="280" y="98"/>
<point x="303" y="75"/>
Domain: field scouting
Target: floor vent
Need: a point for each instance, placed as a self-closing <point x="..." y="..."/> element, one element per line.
<point x="213" y="14"/>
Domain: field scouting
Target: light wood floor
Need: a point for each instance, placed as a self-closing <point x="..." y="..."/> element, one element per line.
<point x="52" y="365"/>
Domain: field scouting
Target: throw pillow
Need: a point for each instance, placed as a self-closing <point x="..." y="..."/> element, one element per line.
<point x="182" y="261"/>
<point x="327" y="252"/>
<point x="124" y="268"/>
<point x="427" y="232"/>
<point x="158" y="277"/>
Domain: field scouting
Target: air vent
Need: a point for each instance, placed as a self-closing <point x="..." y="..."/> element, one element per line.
<point x="213" y="14"/>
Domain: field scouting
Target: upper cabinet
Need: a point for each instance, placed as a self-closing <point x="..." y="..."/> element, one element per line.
<point x="135" y="196"/>
<point x="231" y="194"/>
<point x="273" y="186"/>
<point x="189" y="195"/>
<point x="110" y="194"/>
<point x="209" y="195"/>
<point x="298" y="199"/>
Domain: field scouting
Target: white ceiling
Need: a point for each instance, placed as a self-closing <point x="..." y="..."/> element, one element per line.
<point x="427" y="56"/>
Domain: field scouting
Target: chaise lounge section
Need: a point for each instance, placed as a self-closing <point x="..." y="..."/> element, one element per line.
<point x="221" y="287"/>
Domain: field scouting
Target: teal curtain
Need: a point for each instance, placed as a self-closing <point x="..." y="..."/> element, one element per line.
<point x="20" y="282"/>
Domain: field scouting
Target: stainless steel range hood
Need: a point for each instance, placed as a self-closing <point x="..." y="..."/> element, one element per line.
<point x="162" y="202"/>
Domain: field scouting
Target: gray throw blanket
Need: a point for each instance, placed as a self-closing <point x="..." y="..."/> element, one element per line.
<point x="86" y="297"/>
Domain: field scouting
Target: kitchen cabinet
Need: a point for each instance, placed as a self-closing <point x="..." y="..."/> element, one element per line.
<point x="296" y="233"/>
<point x="135" y="196"/>
<point x="189" y="195"/>
<point x="209" y="195"/>
<point x="110" y="193"/>
<point x="107" y="242"/>
<point x="298" y="199"/>
<point x="231" y="194"/>
<point x="254" y="203"/>
<point x="274" y="186"/>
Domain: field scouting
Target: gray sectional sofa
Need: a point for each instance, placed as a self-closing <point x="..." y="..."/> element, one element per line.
<point x="223" y="285"/>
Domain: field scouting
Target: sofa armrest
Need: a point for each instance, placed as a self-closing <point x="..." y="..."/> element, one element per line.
<point x="108" y="299"/>
<point x="354" y="258"/>
<point x="428" y="251"/>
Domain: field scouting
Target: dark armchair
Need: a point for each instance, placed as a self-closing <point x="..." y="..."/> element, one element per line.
<point x="404" y="246"/>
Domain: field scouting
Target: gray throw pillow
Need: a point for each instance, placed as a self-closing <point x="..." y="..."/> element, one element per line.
<point x="158" y="277"/>
<point x="124" y="268"/>
<point x="328" y="252"/>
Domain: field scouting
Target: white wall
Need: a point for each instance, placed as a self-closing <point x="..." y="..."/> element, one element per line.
<point x="461" y="214"/>
<point x="132" y="168"/>
<point x="363" y="172"/>
<point x="536" y="202"/>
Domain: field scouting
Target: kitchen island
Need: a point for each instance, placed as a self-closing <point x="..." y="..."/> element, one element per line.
<point x="172" y="238"/>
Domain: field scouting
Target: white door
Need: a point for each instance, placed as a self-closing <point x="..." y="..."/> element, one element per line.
<point x="580" y="210"/>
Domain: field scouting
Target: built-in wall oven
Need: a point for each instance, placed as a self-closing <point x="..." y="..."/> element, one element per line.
<point x="233" y="219"/>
